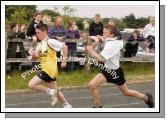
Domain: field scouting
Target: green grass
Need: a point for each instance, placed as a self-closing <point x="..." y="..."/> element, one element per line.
<point x="132" y="71"/>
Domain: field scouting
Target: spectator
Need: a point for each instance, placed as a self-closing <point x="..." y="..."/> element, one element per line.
<point x="135" y="37"/>
<point x="57" y="31"/>
<point x="31" y="29"/>
<point x="96" y="27"/>
<point x="96" y="32"/>
<point x="118" y="33"/>
<point x="37" y="20"/>
<point x="149" y="32"/>
<point x="16" y="49"/>
<point x="71" y="33"/>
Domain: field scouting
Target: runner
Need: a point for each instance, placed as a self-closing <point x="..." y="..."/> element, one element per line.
<point x="45" y="50"/>
<point x="111" y="71"/>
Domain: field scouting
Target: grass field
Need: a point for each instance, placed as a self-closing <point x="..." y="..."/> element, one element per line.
<point x="132" y="71"/>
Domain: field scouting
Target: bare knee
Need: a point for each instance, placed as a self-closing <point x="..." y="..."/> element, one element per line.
<point x="31" y="85"/>
<point x="91" y="86"/>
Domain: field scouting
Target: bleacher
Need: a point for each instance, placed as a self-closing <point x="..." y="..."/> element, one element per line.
<point x="140" y="55"/>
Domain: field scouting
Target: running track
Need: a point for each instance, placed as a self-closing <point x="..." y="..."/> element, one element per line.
<point x="80" y="98"/>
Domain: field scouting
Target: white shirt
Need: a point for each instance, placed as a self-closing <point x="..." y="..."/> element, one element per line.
<point x="111" y="53"/>
<point x="149" y="30"/>
<point x="54" y="44"/>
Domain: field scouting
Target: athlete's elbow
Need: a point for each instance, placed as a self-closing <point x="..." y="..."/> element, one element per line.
<point x="65" y="47"/>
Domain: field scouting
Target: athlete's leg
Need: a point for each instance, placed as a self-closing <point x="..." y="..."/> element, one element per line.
<point x="53" y="85"/>
<point x="93" y="85"/>
<point x="133" y="93"/>
<point x="147" y="97"/>
<point x="34" y="84"/>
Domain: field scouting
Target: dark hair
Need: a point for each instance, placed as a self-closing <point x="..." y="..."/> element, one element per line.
<point x="37" y="13"/>
<point x="111" y="28"/>
<point x="12" y="25"/>
<point x="137" y="32"/>
<point x="42" y="27"/>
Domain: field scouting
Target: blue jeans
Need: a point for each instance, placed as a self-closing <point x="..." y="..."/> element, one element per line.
<point x="70" y="65"/>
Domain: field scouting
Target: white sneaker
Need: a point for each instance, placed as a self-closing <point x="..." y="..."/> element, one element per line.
<point x="67" y="105"/>
<point x="54" y="98"/>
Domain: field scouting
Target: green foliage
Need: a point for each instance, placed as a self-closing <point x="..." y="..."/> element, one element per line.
<point x="105" y="21"/>
<point x="141" y="22"/>
<point x="79" y="23"/>
<point x="19" y="13"/>
<point x="23" y="14"/>
<point x="132" y="22"/>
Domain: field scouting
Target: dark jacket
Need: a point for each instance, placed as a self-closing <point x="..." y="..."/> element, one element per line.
<point x="69" y="35"/>
<point x="31" y="30"/>
<point x="131" y="38"/>
<point x="96" y="29"/>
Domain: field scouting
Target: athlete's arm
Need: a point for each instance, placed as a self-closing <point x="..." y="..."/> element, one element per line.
<point x="34" y="55"/>
<point x="95" y="54"/>
<point x="57" y="45"/>
<point x="65" y="53"/>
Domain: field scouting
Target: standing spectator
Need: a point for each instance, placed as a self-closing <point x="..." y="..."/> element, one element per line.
<point x="149" y="32"/>
<point x="15" y="49"/>
<point x="71" y="33"/>
<point x="118" y="33"/>
<point x="58" y="30"/>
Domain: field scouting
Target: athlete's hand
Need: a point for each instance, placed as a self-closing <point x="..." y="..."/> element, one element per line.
<point x="34" y="38"/>
<point x="64" y="63"/>
<point x="89" y="48"/>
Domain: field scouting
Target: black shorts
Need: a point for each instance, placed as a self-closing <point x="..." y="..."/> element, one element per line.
<point x="45" y="77"/>
<point x="115" y="76"/>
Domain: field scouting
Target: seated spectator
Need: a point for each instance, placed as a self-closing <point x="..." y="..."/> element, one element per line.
<point x="118" y="33"/>
<point x="96" y="32"/>
<point x="135" y="37"/>
<point x="96" y="27"/>
<point x="71" y="33"/>
<point x="36" y="20"/>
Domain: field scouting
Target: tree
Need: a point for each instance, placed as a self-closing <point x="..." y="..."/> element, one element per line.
<point x="19" y="13"/>
<point x="130" y="21"/>
<point x="105" y="21"/>
<point x="19" y="16"/>
<point x="141" y="22"/>
<point x="79" y="23"/>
